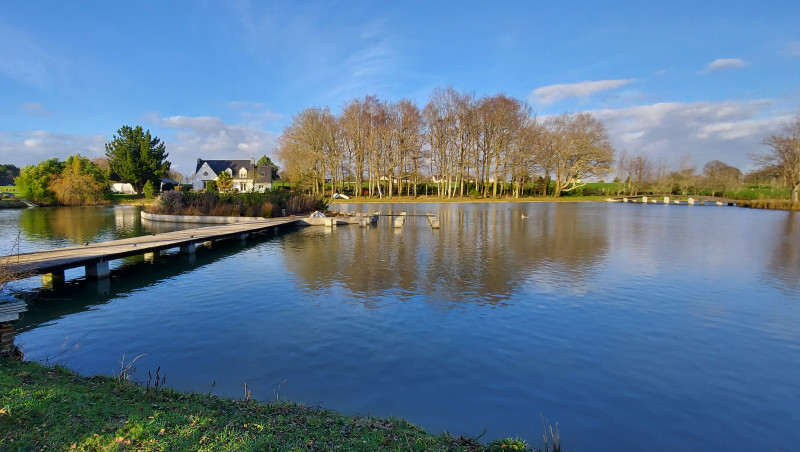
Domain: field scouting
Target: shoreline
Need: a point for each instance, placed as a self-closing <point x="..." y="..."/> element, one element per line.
<point x="44" y="407"/>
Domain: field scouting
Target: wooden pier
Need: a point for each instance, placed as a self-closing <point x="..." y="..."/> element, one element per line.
<point x="95" y="256"/>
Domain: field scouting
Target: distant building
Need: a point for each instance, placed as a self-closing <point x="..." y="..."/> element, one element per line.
<point x="245" y="174"/>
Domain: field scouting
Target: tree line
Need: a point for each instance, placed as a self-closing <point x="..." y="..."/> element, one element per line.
<point x="133" y="156"/>
<point x="488" y="146"/>
<point x="493" y="146"/>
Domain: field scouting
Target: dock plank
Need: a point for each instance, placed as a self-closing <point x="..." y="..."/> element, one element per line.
<point x="47" y="261"/>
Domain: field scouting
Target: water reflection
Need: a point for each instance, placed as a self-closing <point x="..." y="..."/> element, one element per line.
<point x="134" y="274"/>
<point x="51" y="227"/>
<point x="480" y="254"/>
<point x="785" y="261"/>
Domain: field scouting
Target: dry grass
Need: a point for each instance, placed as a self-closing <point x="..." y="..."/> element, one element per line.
<point x="775" y="204"/>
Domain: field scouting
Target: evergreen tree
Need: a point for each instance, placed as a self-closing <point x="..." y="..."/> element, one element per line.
<point x="137" y="157"/>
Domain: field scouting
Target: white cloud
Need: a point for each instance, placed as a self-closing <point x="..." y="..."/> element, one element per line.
<point x="723" y="64"/>
<point x="208" y="137"/>
<point x="728" y="131"/>
<point x="793" y="48"/>
<point x="31" y="147"/>
<point x="548" y="95"/>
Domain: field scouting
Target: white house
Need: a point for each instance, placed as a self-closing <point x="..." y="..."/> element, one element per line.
<point x="245" y="174"/>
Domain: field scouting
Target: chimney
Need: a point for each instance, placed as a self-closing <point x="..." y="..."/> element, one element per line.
<point x="253" y="161"/>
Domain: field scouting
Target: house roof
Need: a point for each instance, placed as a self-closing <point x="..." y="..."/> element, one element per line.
<point x="221" y="165"/>
<point x="218" y="166"/>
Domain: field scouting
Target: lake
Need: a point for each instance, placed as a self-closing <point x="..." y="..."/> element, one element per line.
<point x="634" y="327"/>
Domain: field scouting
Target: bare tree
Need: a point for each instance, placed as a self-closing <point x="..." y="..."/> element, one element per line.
<point x="784" y="155"/>
<point x="721" y="177"/>
<point x="582" y="149"/>
<point x="685" y="175"/>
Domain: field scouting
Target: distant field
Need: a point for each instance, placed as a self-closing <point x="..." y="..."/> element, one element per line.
<point x="9" y="188"/>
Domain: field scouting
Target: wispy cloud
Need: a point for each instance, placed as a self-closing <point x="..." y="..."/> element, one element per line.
<point x="548" y="95"/>
<point x="35" y="110"/>
<point x="723" y="64"/>
<point x="255" y="113"/>
<point x="27" y="59"/>
<point x="728" y="131"/>
<point x="31" y="147"/>
<point x="209" y="137"/>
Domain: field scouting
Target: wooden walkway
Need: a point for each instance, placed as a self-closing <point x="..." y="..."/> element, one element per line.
<point x="95" y="256"/>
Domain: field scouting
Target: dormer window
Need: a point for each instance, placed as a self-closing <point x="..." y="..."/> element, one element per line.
<point x="242" y="173"/>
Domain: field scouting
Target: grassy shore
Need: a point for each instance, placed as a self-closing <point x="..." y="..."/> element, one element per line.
<point x="52" y="408"/>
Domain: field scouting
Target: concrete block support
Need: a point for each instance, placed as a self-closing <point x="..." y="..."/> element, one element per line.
<point x="98" y="270"/>
<point x="151" y="257"/>
<point x="188" y="248"/>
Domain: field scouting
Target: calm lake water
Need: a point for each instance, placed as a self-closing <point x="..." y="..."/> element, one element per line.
<point x="635" y="327"/>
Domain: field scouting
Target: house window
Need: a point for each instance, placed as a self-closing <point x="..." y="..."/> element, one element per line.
<point x="205" y="173"/>
<point x="243" y="173"/>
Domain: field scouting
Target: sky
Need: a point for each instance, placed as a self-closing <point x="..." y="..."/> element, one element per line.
<point x="218" y="80"/>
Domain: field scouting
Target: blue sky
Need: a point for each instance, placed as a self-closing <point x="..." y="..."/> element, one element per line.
<point x="218" y="79"/>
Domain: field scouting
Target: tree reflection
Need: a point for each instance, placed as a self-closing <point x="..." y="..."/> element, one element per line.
<point x="481" y="254"/>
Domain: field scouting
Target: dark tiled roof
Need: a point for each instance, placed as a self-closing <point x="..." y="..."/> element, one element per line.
<point x="218" y="166"/>
<point x="221" y="165"/>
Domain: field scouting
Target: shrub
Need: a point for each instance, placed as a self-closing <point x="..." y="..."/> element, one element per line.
<point x="149" y="189"/>
<point x="170" y="203"/>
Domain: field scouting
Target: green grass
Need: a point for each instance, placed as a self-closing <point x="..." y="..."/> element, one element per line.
<point x="9" y="188"/>
<point x="52" y="408"/>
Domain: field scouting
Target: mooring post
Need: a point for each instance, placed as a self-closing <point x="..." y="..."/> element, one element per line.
<point x="98" y="270"/>
<point x="398" y="222"/>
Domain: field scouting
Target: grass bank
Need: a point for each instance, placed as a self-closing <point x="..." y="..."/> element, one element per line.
<point x="52" y="408"/>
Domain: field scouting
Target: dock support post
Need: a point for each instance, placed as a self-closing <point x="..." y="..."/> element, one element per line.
<point x="666" y="199"/>
<point x="51" y="280"/>
<point x="207" y="244"/>
<point x="399" y="221"/>
<point x="189" y="248"/>
<point x="243" y="237"/>
<point x="624" y="199"/>
<point x="98" y="270"/>
<point x="362" y="223"/>
<point x="151" y="257"/>
<point x="644" y="199"/>
<point x="690" y="201"/>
